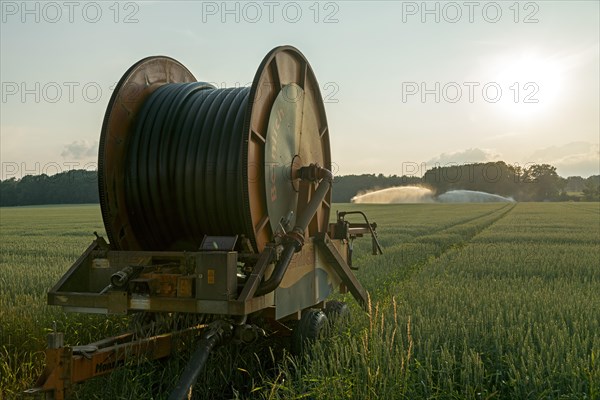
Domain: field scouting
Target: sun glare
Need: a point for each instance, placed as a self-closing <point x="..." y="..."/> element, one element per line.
<point x="530" y="84"/>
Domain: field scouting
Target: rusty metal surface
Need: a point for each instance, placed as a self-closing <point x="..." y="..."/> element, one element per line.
<point x="139" y="201"/>
<point x="283" y="66"/>
<point x="64" y="368"/>
<point x="141" y="80"/>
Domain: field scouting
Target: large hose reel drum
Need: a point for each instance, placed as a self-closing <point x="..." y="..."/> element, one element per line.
<point x="181" y="159"/>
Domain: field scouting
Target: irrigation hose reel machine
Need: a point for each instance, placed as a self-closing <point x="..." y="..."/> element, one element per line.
<point x="216" y="204"/>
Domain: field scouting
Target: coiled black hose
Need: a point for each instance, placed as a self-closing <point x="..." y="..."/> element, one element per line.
<point x="184" y="177"/>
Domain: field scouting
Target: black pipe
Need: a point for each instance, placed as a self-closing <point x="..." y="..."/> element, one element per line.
<point x="296" y="237"/>
<point x="280" y="268"/>
<point x="192" y="370"/>
<point x="214" y="336"/>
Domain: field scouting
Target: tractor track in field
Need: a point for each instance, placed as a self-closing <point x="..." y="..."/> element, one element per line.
<point x="501" y="213"/>
<point x="464" y="221"/>
<point x="497" y="215"/>
<point x="494" y="217"/>
<point x="415" y="254"/>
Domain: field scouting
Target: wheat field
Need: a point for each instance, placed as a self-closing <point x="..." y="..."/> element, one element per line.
<point x="468" y="301"/>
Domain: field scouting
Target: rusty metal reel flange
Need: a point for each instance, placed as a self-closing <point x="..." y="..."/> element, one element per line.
<point x="143" y="78"/>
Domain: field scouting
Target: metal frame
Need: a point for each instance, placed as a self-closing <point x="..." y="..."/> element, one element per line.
<point x="71" y="293"/>
<point x="66" y="366"/>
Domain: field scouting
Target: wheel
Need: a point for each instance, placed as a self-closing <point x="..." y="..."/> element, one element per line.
<point x="312" y="326"/>
<point x="337" y="312"/>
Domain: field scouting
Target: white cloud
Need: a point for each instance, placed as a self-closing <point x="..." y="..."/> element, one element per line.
<point x="80" y="149"/>
<point x="575" y="158"/>
<point x="468" y="156"/>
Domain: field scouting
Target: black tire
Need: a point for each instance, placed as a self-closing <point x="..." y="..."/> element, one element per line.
<point x="312" y="325"/>
<point x="337" y="312"/>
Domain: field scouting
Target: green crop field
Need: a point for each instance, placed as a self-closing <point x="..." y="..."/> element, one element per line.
<point x="489" y="301"/>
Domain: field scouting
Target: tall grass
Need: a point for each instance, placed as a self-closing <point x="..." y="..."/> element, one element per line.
<point x="37" y="245"/>
<point x="468" y="302"/>
<point x="499" y="308"/>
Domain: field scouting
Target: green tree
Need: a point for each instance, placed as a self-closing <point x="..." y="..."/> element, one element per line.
<point x="591" y="190"/>
<point x="492" y="177"/>
<point x="70" y="187"/>
<point x="574" y="184"/>
<point x="542" y="182"/>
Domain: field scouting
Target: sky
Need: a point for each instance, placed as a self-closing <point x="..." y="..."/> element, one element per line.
<point x="407" y="85"/>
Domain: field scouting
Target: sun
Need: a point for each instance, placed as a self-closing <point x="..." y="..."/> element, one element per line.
<point x="529" y="84"/>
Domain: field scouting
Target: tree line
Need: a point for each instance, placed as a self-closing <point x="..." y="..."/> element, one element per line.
<point x="70" y="187"/>
<point x="538" y="182"/>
